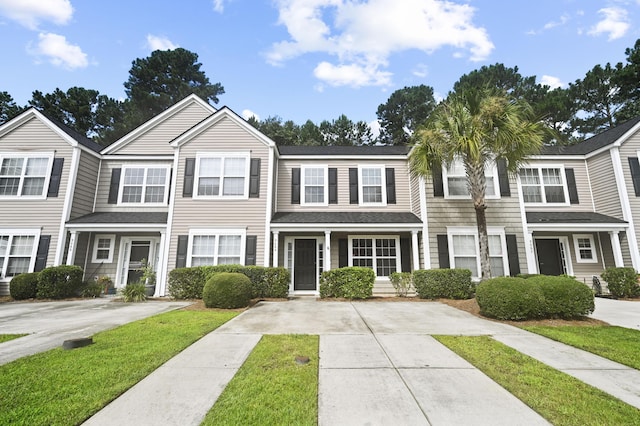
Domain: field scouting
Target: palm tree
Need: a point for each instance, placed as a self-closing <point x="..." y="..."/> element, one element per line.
<point x="478" y="127"/>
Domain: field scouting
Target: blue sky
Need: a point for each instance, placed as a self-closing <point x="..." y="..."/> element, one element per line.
<point x="309" y="59"/>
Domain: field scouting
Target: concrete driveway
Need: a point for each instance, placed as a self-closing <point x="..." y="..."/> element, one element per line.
<point x="623" y="313"/>
<point x="50" y="323"/>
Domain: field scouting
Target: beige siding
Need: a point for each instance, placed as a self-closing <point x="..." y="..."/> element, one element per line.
<point x="605" y="191"/>
<point x="249" y="214"/>
<point x="85" y="189"/>
<point x="414" y="183"/>
<point x="630" y="149"/>
<point x="156" y="140"/>
<point x="401" y="176"/>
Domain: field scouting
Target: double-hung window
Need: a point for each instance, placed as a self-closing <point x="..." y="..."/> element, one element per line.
<point x="372" y="185"/>
<point x="314" y="181"/>
<point x="216" y="247"/>
<point x="24" y="176"/>
<point x="222" y="175"/>
<point x="455" y="180"/>
<point x="145" y="184"/>
<point x="464" y="250"/>
<point x="543" y="185"/>
<point x="17" y="252"/>
<point x="382" y="254"/>
<point x="103" y="247"/>
<point x="585" y="248"/>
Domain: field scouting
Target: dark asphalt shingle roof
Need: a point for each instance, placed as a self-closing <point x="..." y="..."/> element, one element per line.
<point x="80" y="138"/>
<point x="122" y="218"/>
<point x="344" y="150"/>
<point x="570" y="217"/>
<point x="346" y="217"/>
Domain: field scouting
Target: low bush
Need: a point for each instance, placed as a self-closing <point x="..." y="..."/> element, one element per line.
<point x="401" y="282"/>
<point x="510" y="298"/>
<point x="227" y="290"/>
<point x="24" y="286"/>
<point x="134" y="292"/>
<point x="564" y="296"/>
<point x="352" y="282"/>
<point x="91" y="289"/>
<point x="622" y="282"/>
<point x="186" y="283"/>
<point x="443" y="283"/>
<point x="58" y="282"/>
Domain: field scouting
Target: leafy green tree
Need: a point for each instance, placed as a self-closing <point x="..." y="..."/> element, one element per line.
<point x="477" y="126"/>
<point x="8" y="107"/>
<point x="405" y="109"/>
<point x="557" y="109"/>
<point x="342" y="131"/>
<point x="628" y="79"/>
<point x="310" y="134"/>
<point x="508" y="80"/>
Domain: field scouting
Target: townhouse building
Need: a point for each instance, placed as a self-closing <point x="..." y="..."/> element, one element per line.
<point x="197" y="185"/>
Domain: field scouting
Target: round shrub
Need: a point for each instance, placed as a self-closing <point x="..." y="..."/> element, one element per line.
<point x="510" y="298"/>
<point x="227" y="290"/>
<point x="564" y="296"/>
<point x="58" y="282"/>
<point x="24" y="286"/>
<point x="622" y="282"/>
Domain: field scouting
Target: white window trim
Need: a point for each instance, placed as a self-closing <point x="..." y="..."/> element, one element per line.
<point x="496" y="183"/>
<point x="303" y="171"/>
<point x="196" y="179"/>
<point x="47" y="177"/>
<point x="471" y="230"/>
<point x="112" y="244"/>
<point x="146" y="168"/>
<point x="34" y="251"/>
<point x="576" y="248"/>
<point x="383" y="175"/>
<point x="377" y="237"/>
<point x="539" y="167"/>
<point x="197" y="232"/>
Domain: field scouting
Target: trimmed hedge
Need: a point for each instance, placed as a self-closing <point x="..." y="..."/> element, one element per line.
<point x="24" y="286"/>
<point x="227" y="290"/>
<point x="58" y="282"/>
<point x="515" y="298"/>
<point x="188" y="283"/>
<point x="622" y="282"/>
<point x="443" y="283"/>
<point x="353" y="282"/>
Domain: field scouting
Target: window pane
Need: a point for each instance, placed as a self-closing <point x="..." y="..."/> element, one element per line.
<point x="229" y="245"/>
<point x="531" y="194"/>
<point x="22" y="245"/>
<point x="467" y="263"/>
<point x="11" y="167"/>
<point x="458" y="186"/>
<point x="131" y="194"/>
<point x="209" y="186"/>
<point x="314" y="194"/>
<point x="233" y="186"/>
<point x="371" y="177"/>
<point x="529" y="177"/>
<point x="234" y="166"/>
<point x="9" y="186"/>
<point x="4" y="241"/>
<point x="134" y="176"/>
<point x="210" y="166"/>
<point x="156" y="176"/>
<point x="154" y="194"/>
<point x="464" y="245"/>
<point x="491" y="189"/>
<point x="32" y="186"/>
<point x="314" y="176"/>
<point x="495" y="245"/>
<point x="497" y="266"/>
<point x="554" y="194"/>
<point x="17" y="265"/>
<point x="203" y="245"/>
<point x="385" y="267"/>
<point x="551" y="177"/>
<point x="372" y="194"/>
<point x="37" y="166"/>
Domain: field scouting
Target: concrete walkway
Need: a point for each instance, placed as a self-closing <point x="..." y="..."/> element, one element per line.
<point x="623" y="313"/>
<point x="379" y="365"/>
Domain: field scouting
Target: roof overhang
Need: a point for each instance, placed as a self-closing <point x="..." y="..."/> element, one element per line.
<point x="574" y="222"/>
<point x="120" y="221"/>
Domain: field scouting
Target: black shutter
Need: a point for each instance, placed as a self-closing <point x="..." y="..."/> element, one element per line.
<point x="189" y="175"/>
<point x="571" y="186"/>
<point x="114" y="186"/>
<point x="512" y="252"/>
<point x="353" y="186"/>
<point x="635" y="174"/>
<point x="503" y="178"/>
<point x="391" y="185"/>
<point x="343" y="253"/>
<point x="56" y="175"/>
<point x="443" y="251"/>
<point x="295" y="185"/>
<point x="333" y="186"/>
<point x="42" y="253"/>
<point x="250" y="251"/>
<point x="183" y="246"/>
<point x="405" y="254"/>
<point x="438" y="185"/>
<point x="254" y="178"/>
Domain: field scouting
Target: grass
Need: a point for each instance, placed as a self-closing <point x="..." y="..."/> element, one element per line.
<point x="558" y="397"/>
<point x="61" y="387"/>
<point x="615" y="343"/>
<point x="271" y="388"/>
<point x="7" y="337"/>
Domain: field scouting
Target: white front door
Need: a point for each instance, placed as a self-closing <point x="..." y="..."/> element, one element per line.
<point x="134" y="252"/>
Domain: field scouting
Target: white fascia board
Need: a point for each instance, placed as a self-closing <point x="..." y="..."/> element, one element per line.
<point x="343" y="157"/>
<point x="138" y="157"/>
<point x="116" y="227"/>
<point x="579" y="157"/>
<point x="584" y="227"/>
<point x="334" y="227"/>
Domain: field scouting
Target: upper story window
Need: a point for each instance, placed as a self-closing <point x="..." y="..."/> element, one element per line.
<point x="543" y="185"/>
<point x="314" y="181"/>
<point x="455" y="180"/>
<point x="24" y="176"/>
<point x="222" y="175"/>
<point x="372" y="185"/>
<point x="145" y="184"/>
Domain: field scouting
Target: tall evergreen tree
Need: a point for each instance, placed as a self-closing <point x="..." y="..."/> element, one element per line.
<point x="403" y="112"/>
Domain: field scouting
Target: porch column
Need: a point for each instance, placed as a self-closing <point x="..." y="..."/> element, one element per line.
<point x="71" y="252"/>
<point x="532" y="266"/>
<point x="276" y="241"/>
<point x="327" y="250"/>
<point x="161" y="270"/>
<point x="415" y="250"/>
<point x="617" y="250"/>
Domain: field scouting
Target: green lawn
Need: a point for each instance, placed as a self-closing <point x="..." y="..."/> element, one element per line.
<point x="271" y="388"/>
<point x="558" y="397"/>
<point x="61" y="387"/>
<point x="7" y="337"/>
<point x="615" y="343"/>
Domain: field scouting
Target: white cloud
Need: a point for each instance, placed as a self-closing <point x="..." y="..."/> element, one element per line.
<point x="375" y="128"/>
<point x="30" y="13"/>
<point x="59" y="51"/>
<point x="363" y="35"/>
<point x="160" y="43"/>
<point x="551" y="81"/>
<point x="615" y="23"/>
<point x="218" y="5"/>
<point x="421" y="70"/>
<point x="247" y="114"/>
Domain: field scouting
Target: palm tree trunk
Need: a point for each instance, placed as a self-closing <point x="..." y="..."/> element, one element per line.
<point x="477" y="188"/>
<point x="483" y="239"/>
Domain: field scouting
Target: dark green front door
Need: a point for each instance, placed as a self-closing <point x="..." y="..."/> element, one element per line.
<point x="304" y="265"/>
<point x="549" y="256"/>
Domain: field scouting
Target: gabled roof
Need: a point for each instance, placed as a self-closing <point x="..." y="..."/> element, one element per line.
<point x="382" y="150"/>
<point x="153" y="122"/>
<point x="617" y="134"/>
<point x="355" y="217"/>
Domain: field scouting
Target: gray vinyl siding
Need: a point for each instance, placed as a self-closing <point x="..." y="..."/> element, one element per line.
<point x="414" y="183"/>
<point x="250" y="214"/>
<point x="630" y="149"/>
<point x="283" y="203"/>
<point x="605" y="191"/>
<point x="85" y="189"/>
<point x="582" y="184"/>
<point x="156" y="140"/>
